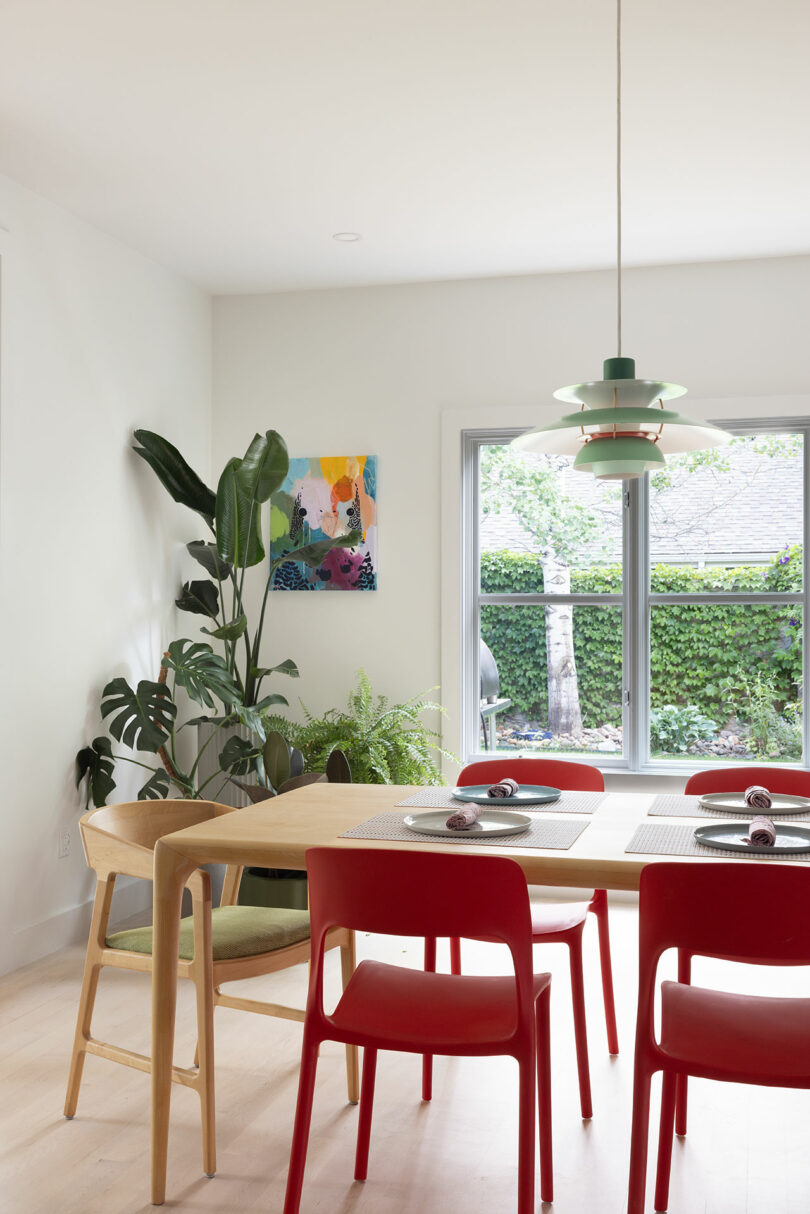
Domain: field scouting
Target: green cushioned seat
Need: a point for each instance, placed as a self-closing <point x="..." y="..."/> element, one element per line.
<point x="237" y="931"/>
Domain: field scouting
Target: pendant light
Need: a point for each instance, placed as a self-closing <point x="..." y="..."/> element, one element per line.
<point x="622" y="429"/>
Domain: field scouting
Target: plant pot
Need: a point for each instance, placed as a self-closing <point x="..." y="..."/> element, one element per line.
<point x="273" y="887"/>
<point x="220" y="789"/>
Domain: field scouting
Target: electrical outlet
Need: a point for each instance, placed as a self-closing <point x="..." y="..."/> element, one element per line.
<point x="64" y="844"/>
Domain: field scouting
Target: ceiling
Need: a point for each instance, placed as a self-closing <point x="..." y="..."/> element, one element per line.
<point x="230" y="139"/>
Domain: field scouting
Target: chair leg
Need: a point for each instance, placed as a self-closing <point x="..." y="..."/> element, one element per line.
<point x="684" y="975"/>
<point x="203" y="977"/>
<point x="303" y="1117"/>
<point x="580" y="1026"/>
<point x="544" y="1094"/>
<point x="455" y="955"/>
<point x="599" y="906"/>
<point x="526" y="1138"/>
<point x="348" y="964"/>
<point x="87" y="999"/>
<point x="638" y="1141"/>
<point x="364" y="1120"/>
<point x="665" y="1141"/>
<point x="427" y="1059"/>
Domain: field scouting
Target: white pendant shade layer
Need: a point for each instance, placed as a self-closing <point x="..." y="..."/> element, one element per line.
<point x="622" y="429"/>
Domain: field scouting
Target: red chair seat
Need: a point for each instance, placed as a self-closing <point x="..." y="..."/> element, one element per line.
<point x="386" y="1005"/>
<point x="548" y="918"/>
<point x="749" y="1037"/>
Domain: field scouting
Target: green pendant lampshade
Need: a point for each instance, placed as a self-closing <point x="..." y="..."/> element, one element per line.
<point x="621" y="430"/>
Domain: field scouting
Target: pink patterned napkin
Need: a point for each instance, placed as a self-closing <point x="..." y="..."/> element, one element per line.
<point x="757" y="797"/>
<point x="504" y="788"/>
<point x="762" y="832"/>
<point x="463" y="818"/>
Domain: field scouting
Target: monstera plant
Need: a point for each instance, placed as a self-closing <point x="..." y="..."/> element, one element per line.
<point x="226" y="685"/>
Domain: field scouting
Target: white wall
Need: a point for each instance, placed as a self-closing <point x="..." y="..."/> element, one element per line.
<point x="96" y="340"/>
<point x="385" y="370"/>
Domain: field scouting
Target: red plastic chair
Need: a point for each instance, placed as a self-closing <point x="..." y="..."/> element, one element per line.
<point x="386" y="1007"/>
<point x="734" y="779"/>
<point x="551" y="923"/>
<point x="759" y="914"/>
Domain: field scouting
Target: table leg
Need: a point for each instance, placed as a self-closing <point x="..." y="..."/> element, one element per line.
<point x="170" y="875"/>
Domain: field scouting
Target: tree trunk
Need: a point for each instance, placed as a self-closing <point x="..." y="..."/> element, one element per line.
<point x="564" y="714"/>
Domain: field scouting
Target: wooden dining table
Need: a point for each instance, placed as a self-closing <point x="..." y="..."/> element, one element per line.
<point x="277" y="833"/>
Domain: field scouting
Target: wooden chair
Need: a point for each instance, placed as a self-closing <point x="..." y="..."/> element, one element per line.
<point x="559" y="923"/>
<point x="741" y="912"/>
<point x="389" y="1007"/>
<point x="229" y="943"/>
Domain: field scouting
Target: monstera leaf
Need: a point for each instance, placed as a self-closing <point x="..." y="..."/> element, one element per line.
<point x="141" y="719"/>
<point x="156" y="787"/>
<point x="97" y="763"/>
<point x="201" y="672"/>
<point x="200" y="598"/>
<point x="175" y="475"/>
<point x="238" y="756"/>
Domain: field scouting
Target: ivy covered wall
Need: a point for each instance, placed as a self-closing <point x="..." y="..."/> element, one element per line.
<point x="694" y="647"/>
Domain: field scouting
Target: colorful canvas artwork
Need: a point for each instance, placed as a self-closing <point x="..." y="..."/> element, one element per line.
<point x="321" y="499"/>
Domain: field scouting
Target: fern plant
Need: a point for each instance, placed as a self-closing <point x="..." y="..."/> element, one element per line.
<point x="384" y="743"/>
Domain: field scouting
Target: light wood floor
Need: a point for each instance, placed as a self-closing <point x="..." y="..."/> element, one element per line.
<point x="746" y="1151"/>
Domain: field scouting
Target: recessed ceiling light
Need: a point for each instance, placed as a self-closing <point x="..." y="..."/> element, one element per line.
<point x="347" y="237"/>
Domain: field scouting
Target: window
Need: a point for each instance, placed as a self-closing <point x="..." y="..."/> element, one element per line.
<point x="638" y="623"/>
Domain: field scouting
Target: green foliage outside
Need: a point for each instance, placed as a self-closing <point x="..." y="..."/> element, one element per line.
<point x="384" y="743"/>
<point x="706" y="656"/>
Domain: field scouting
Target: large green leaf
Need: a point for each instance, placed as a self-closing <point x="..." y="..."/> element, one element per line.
<point x="276" y="755"/>
<point x="180" y="480"/>
<point x="141" y="719"/>
<point x="97" y="763"/>
<point x="238" y="515"/>
<point x="265" y="465"/>
<point x="287" y="667"/>
<point x="314" y="554"/>
<point x="209" y="558"/>
<point x="156" y="787"/>
<point x="230" y="631"/>
<point x="200" y="598"/>
<point x="202" y="672"/>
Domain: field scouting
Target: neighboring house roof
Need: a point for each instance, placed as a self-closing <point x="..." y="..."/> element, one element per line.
<point x="746" y="511"/>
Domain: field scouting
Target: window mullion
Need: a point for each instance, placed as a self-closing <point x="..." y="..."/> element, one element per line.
<point x="636" y="660"/>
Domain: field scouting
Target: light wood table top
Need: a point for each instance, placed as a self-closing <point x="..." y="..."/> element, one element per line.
<point x="277" y="833"/>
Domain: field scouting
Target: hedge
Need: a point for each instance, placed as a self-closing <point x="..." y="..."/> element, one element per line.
<point x="694" y="647"/>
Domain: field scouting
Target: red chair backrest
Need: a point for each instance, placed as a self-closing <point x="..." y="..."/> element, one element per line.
<point x="556" y="773"/>
<point x="737" y="779"/>
<point x="407" y="893"/>
<point x="750" y="911"/>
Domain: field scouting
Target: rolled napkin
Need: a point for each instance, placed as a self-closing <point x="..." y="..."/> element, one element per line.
<point x="464" y="818"/>
<point x="758" y="797"/>
<point x="762" y="832"/>
<point x="506" y="787"/>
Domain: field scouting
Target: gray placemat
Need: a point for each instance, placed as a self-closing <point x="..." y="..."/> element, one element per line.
<point x="543" y="832"/>
<point x="671" y="805"/>
<point x="569" y="802"/>
<point x="655" y="839"/>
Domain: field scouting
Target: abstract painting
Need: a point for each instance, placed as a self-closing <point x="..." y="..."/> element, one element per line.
<point x="323" y="498"/>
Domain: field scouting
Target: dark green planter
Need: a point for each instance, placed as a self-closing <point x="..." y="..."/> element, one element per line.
<point x="263" y="887"/>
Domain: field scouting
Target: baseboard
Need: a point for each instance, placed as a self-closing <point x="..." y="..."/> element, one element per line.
<point x="132" y="897"/>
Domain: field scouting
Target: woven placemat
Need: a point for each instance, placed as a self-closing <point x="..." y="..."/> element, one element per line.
<point x="543" y="832"/>
<point x="655" y="839"/>
<point x="671" y="805"/>
<point x="569" y="802"/>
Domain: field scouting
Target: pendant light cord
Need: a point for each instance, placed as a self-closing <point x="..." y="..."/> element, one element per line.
<point x="619" y="175"/>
